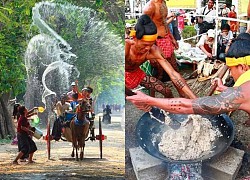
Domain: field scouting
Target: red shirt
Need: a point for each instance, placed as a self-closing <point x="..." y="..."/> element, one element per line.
<point x="22" y="121"/>
<point x="233" y="24"/>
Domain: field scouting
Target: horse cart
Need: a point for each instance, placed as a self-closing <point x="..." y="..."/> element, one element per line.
<point x="92" y="134"/>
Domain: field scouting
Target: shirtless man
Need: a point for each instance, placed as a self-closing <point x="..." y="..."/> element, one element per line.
<point x="158" y="12"/>
<point x="230" y="98"/>
<point x="141" y="49"/>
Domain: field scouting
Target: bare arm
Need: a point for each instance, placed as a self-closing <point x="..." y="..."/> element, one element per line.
<point x="229" y="100"/>
<point x="176" y="78"/>
<point x="170" y="18"/>
<point x="76" y="81"/>
<point x="175" y="43"/>
<point x="205" y="51"/>
<point x="27" y="130"/>
<point x="31" y="112"/>
<point x="128" y="44"/>
<point x="149" y="9"/>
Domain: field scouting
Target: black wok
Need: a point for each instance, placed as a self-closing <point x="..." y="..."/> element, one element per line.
<point x="147" y="129"/>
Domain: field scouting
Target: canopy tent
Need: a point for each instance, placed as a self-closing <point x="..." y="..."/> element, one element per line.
<point x="185" y="4"/>
<point x="242" y="7"/>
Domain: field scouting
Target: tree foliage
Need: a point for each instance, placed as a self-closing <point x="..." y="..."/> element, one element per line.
<point x="15" y="20"/>
<point x="111" y="11"/>
<point x="15" y="17"/>
<point x="100" y="53"/>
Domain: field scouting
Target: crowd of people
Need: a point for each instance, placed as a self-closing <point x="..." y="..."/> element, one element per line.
<point x="70" y="106"/>
<point x="151" y="40"/>
<point x="202" y="20"/>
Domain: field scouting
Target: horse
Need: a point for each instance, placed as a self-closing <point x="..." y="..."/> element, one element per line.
<point x="80" y="128"/>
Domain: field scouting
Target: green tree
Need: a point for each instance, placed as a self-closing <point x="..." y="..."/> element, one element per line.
<point x="15" y="21"/>
<point x="99" y="51"/>
<point x="111" y="11"/>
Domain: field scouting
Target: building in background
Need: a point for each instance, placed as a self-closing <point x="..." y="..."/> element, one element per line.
<point x="133" y="8"/>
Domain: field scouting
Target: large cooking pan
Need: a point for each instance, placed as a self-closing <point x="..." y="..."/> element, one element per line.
<point x="147" y="129"/>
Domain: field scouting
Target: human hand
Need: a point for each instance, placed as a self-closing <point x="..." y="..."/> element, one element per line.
<point x="218" y="82"/>
<point x="130" y="42"/>
<point x="209" y="55"/>
<point x="139" y="100"/>
<point x="171" y="14"/>
<point x="175" y="43"/>
<point x="31" y="132"/>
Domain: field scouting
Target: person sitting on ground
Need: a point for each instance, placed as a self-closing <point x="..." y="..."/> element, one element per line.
<point x="206" y="43"/>
<point x="224" y="42"/>
<point x="230" y="98"/>
<point x="143" y="48"/>
<point x="25" y="143"/>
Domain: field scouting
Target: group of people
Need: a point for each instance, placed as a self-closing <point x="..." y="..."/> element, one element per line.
<point x="143" y="47"/>
<point x="228" y="30"/>
<point x="69" y="107"/>
<point x="68" y="104"/>
<point x="152" y="41"/>
<point x="230" y="98"/>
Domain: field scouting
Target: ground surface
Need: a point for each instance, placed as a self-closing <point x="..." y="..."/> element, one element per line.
<point x="63" y="166"/>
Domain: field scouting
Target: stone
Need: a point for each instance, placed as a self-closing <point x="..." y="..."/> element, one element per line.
<point x="225" y="167"/>
<point x="147" y="167"/>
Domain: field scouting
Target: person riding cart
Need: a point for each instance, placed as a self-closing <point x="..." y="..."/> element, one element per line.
<point x="86" y="94"/>
<point x="62" y="110"/>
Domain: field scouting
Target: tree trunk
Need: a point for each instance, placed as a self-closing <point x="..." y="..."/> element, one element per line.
<point x="6" y="124"/>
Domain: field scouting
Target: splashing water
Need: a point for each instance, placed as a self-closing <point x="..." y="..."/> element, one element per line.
<point x="51" y="59"/>
<point x="62" y="71"/>
<point x="43" y="56"/>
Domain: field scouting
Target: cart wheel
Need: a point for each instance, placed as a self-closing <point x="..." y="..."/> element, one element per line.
<point x="48" y="138"/>
<point x="100" y="136"/>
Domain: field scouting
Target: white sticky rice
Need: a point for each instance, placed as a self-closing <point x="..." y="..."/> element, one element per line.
<point x="192" y="140"/>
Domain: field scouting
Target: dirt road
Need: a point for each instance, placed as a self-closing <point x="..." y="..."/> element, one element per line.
<point x="63" y="166"/>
